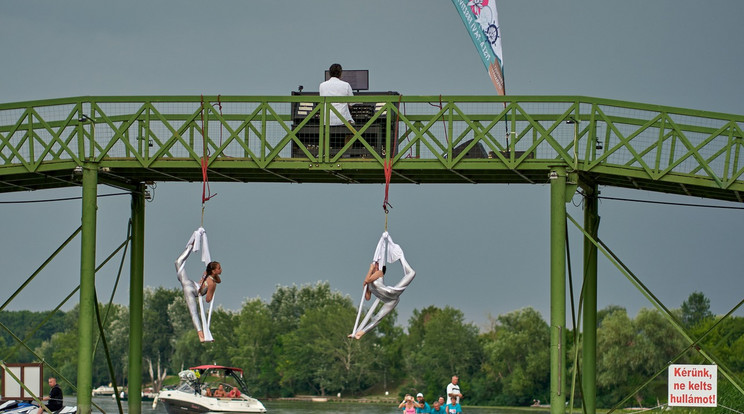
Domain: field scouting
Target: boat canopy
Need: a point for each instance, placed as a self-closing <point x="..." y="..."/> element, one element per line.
<point x="218" y="367"/>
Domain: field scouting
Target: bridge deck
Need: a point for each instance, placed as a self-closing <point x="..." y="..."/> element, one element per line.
<point x="453" y="139"/>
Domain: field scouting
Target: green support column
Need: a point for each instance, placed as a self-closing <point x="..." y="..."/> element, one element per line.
<point x="589" y="346"/>
<point x="136" y="285"/>
<point x="557" y="290"/>
<point x="86" y="318"/>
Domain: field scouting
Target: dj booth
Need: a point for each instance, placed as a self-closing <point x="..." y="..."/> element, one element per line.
<point x="309" y="134"/>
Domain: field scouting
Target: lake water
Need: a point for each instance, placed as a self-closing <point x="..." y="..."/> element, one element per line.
<point x="108" y="404"/>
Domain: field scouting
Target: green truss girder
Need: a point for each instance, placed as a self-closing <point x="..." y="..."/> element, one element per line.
<point x="430" y="139"/>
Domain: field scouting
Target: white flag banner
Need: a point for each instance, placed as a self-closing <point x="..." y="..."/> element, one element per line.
<point x="482" y="21"/>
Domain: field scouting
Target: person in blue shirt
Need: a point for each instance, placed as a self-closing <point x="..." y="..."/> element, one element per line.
<point x="438" y="409"/>
<point x="424" y="406"/>
<point x="453" y="407"/>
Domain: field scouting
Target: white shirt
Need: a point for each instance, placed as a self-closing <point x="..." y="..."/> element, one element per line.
<point x="337" y="87"/>
<point x="452" y="389"/>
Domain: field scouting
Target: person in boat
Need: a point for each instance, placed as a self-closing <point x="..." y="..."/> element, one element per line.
<point x="191" y="289"/>
<point x="409" y="405"/>
<point x="54" y="398"/>
<point x="234" y="392"/>
<point x="220" y="392"/>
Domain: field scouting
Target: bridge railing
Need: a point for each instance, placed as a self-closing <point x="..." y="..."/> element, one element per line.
<point x="513" y="132"/>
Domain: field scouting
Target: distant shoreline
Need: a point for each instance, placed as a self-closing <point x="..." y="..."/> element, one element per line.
<point x="330" y="399"/>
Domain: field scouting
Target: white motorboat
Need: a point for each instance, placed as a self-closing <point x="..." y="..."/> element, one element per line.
<point x="147" y="394"/>
<point x="103" y="390"/>
<point x="193" y="394"/>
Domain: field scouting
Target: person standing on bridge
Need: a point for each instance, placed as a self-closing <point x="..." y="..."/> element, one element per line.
<point x="336" y="87"/>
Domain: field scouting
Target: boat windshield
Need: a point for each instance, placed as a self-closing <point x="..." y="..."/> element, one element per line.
<point x="239" y="380"/>
<point x="186" y="386"/>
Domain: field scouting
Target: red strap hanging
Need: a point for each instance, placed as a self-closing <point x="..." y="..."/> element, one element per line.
<point x="206" y="192"/>
<point x="388" y="164"/>
<point x="388" y="167"/>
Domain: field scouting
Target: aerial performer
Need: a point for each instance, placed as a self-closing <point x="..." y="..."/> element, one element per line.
<point x="205" y="288"/>
<point x="375" y="285"/>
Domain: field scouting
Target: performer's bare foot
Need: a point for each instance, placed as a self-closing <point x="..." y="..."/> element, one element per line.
<point x="367" y="294"/>
<point x="359" y="335"/>
<point x="201" y="335"/>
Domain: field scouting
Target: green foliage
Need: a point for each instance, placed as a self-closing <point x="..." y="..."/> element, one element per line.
<point x="22" y="324"/>
<point x="253" y="347"/>
<point x="297" y="344"/>
<point x="288" y="304"/>
<point x="695" y="309"/>
<point x="441" y="344"/>
<point x="319" y="358"/>
<point x="60" y="351"/>
<point x="603" y="313"/>
<point x="632" y="351"/>
<point x="517" y="357"/>
<point x="158" y="329"/>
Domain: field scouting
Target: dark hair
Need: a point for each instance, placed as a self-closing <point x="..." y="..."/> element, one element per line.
<point x="335" y="70"/>
<point x="211" y="266"/>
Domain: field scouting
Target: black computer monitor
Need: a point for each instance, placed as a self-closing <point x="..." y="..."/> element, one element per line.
<point x="358" y="79"/>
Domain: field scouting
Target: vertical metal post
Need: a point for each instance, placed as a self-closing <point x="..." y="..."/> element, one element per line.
<point x="136" y="285"/>
<point x="589" y="346"/>
<point x="87" y="288"/>
<point x="557" y="290"/>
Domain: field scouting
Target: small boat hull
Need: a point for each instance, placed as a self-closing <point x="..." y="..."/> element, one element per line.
<point x="179" y="402"/>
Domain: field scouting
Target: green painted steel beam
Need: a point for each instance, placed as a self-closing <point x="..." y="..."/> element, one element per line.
<point x="136" y="300"/>
<point x="432" y="139"/>
<point x="87" y="288"/>
<point x="589" y="323"/>
<point x="558" y="290"/>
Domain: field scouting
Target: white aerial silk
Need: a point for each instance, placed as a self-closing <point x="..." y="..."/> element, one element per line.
<point x="201" y="321"/>
<point x="386" y="252"/>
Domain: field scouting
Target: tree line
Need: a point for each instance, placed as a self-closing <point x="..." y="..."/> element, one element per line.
<point x="296" y="344"/>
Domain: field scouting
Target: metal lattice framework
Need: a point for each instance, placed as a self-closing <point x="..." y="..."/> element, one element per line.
<point x="431" y="139"/>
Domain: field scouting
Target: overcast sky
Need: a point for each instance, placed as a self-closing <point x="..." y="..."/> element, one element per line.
<point x="481" y="248"/>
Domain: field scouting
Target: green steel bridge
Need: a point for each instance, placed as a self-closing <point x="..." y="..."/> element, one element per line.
<point x="568" y="142"/>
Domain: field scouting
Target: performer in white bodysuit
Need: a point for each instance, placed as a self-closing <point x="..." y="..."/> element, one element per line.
<point x="192" y="290"/>
<point x="375" y="285"/>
